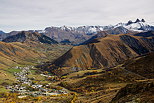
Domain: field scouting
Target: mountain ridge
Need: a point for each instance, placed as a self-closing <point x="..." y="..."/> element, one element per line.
<point x="105" y="52"/>
<point x="28" y="37"/>
<point x="78" y="35"/>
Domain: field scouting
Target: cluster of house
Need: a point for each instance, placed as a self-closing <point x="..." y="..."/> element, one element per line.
<point x="17" y="88"/>
<point x="22" y="76"/>
<point x="27" y="67"/>
<point x="32" y="89"/>
<point x="40" y="90"/>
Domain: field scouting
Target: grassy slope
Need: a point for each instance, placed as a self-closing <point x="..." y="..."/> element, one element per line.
<point x="143" y="65"/>
<point x="101" y="85"/>
<point x="23" y="54"/>
<point x="139" y="92"/>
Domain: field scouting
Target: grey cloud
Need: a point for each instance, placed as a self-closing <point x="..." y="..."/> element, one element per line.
<point x="37" y="14"/>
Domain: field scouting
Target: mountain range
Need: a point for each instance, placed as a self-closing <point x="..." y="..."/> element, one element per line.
<point x="105" y="52"/>
<point x="86" y="64"/>
<point x="78" y="35"/>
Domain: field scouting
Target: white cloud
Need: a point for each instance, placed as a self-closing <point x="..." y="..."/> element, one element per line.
<point x="37" y="14"/>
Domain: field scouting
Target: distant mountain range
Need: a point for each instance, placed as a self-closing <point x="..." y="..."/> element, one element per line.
<point x="138" y="25"/>
<point x="30" y="37"/>
<point x="78" y="35"/>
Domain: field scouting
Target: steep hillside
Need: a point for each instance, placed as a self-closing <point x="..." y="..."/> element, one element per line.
<point x="12" y="52"/>
<point x="104" y="52"/>
<point x="28" y="37"/>
<point x="142" y="65"/>
<point x="140" y="92"/>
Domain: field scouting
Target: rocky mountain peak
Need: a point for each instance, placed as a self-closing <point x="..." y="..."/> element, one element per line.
<point x="129" y="22"/>
<point x="137" y="20"/>
<point x="142" y="20"/>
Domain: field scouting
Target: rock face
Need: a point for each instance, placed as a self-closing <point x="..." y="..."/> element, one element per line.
<point x="28" y="36"/>
<point x="106" y="52"/>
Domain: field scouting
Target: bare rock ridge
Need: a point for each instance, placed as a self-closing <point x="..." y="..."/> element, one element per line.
<point x="28" y="36"/>
<point x="105" y="52"/>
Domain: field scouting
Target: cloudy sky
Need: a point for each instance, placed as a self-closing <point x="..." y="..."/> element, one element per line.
<point x="38" y="14"/>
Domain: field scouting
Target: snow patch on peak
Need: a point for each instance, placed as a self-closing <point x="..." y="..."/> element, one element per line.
<point x="136" y="26"/>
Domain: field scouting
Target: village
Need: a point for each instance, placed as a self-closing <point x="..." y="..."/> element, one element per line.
<point x="25" y="85"/>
